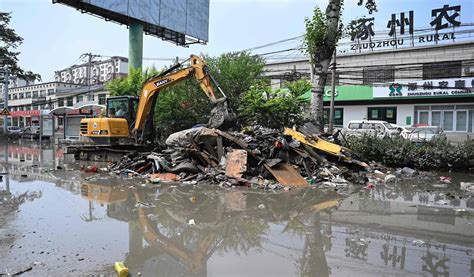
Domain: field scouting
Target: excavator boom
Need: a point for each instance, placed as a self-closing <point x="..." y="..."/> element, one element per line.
<point x="125" y="115"/>
<point x="220" y="113"/>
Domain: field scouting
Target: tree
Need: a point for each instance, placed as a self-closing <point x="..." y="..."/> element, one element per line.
<point x="235" y="72"/>
<point x="131" y="84"/>
<point x="184" y="104"/>
<point x="8" y="56"/>
<point x="323" y="31"/>
<point x="274" y="108"/>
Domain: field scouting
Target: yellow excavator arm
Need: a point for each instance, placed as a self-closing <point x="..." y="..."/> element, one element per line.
<point x="153" y="87"/>
<point x="116" y="128"/>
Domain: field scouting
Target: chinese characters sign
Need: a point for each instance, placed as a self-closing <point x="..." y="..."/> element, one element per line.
<point x="426" y="88"/>
<point x="399" y="25"/>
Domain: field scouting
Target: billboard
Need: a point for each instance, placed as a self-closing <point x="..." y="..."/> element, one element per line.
<point x="179" y="21"/>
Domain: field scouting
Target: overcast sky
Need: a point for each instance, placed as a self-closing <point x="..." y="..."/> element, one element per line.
<point x="56" y="35"/>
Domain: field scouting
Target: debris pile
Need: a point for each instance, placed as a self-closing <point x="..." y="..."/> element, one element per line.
<point x="256" y="156"/>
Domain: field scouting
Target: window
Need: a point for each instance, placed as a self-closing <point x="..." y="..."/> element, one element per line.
<point x="338" y="116"/>
<point x="21" y="96"/>
<point x="378" y="75"/>
<point x="102" y="99"/>
<point x="69" y="101"/>
<point x="388" y="114"/>
<point x="42" y="93"/>
<point x="60" y="102"/>
<point x="15" y="96"/>
<point x="442" y="70"/>
<point x="79" y="98"/>
<point x="35" y="94"/>
<point x="355" y="125"/>
<point x="90" y="97"/>
<point x="50" y="91"/>
<point x="28" y="95"/>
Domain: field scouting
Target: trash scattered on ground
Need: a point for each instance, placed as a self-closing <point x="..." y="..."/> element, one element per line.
<point x="445" y="179"/>
<point x="257" y="156"/>
<point x="191" y="222"/>
<point x="468" y="187"/>
<point x="408" y="172"/>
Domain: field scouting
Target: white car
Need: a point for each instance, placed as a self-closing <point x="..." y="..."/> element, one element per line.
<point x="372" y="127"/>
<point x="426" y="133"/>
<point x="14" y="130"/>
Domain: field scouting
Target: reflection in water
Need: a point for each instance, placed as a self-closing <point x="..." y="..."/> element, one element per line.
<point x="177" y="230"/>
<point x="187" y="231"/>
<point x="208" y="231"/>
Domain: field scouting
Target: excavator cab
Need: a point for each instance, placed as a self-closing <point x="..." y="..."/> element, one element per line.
<point x="122" y="107"/>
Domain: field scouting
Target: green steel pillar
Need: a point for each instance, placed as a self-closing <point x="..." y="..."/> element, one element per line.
<point x="135" y="45"/>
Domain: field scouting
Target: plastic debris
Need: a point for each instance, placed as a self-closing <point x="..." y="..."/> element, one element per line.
<point x="390" y="178"/>
<point x="445" y="179"/>
<point x="121" y="269"/>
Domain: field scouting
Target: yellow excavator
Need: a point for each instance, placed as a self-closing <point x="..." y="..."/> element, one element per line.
<point x="130" y="119"/>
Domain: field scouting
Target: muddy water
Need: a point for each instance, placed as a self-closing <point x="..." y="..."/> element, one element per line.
<point x="73" y="224"/>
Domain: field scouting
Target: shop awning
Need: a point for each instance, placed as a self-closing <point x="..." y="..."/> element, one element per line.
<point x="64" y="110"/>
<point x="83" y="107"/>
<point x="89" y="105"/>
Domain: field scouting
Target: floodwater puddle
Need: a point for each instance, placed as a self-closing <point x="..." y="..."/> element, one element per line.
<point x="75" y="225"/>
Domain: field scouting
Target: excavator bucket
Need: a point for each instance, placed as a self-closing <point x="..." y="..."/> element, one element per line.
<point x="222" y="116"/>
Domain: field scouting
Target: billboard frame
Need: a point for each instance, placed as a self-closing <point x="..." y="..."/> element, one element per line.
<point x="165" y="34"/>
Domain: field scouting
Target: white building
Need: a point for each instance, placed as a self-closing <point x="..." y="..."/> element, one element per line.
<point x="419" y="85"/>
<point x="27" y="103"/>
<point x="101" y="72"/>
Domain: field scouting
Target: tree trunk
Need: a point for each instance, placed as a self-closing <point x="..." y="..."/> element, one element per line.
<point x="320" y="62"/>
<point x="319" y="77"/>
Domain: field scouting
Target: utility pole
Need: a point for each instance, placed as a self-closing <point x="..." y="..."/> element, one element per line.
<point x="333" y="93"/>
<point x="6" y="79"/>
<point x="89" y="72"/>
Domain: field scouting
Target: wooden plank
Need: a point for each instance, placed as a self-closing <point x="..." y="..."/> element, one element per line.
<point x="236" y="163"/>
<point x="287" y="175"/>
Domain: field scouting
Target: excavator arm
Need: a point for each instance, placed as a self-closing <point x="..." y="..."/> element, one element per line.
<point x="199" y="70"/>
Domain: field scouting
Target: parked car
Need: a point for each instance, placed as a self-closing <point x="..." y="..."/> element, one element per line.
<point x="372" y="127"/>
<point x="426" y="133"/>
<point x="31" y="132"/>
<point x="14" y="131"/>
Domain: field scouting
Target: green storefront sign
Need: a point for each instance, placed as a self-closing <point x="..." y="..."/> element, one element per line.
<point x="346" y="93"/>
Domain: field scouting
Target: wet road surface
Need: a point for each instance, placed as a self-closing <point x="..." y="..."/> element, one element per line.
<point x="70" y="223"/>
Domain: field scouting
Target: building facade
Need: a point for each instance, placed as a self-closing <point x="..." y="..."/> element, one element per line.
<point x="101" y="71"/>
<point x="420" y="85"/>
<point x="27" y="103"/>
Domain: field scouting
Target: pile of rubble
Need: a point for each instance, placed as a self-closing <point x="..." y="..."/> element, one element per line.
<point x="256" y="156"/>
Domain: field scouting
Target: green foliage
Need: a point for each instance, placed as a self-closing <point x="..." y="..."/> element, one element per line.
<point x="132" y="84"/>
<point x="181" y="106"/>
<point x="235" y="72"/>
<point x="316" y="30"/>
<point x="274" y="108"/>
<point x="398" y="152"/>
<point x="370" y="5"/>
<point x="184" y="104"/>
<point x="8" y="54"/>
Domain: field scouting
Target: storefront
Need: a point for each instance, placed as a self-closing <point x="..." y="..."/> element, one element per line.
<point x="448" y="103"/>
<point x="26" y="118"/>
